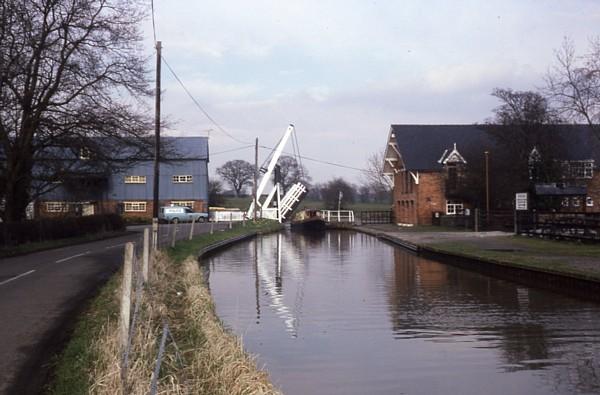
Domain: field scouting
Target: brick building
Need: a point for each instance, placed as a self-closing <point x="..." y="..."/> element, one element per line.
<point x="427" y="169"/>
<point x="183" y="181"/>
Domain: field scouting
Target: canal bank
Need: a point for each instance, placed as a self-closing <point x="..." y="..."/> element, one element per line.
<point x="560" y="266"/>
<point x="200" y="356"/>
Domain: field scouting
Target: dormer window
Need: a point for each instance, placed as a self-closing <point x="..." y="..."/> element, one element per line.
<point x="453" y="157"/>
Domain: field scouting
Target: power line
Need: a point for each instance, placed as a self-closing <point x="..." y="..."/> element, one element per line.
<point x="231" y="150"/>
<point x="206" y="114"/>
<point x="322" y="161"/>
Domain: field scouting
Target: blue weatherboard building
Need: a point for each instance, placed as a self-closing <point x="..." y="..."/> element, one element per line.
<point x="129" y="191"/>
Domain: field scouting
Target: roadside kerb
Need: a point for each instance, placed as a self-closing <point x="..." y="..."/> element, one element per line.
<point x="574" y="284"/>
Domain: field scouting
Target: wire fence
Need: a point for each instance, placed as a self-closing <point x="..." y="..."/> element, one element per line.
<point x="137" y="269"/>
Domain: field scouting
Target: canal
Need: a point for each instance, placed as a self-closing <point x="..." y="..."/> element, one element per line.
<point x="345" y="313"/>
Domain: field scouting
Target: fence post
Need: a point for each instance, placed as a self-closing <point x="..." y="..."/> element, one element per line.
<point x="155" y="234"/>
<point x="126" y="294"/>
<point x="192" y="228"/>
<point x="174" y="233"/>
<point x="230" y="220"/>
<point x="145" y="254"/>
<point x="476" y="220"/>
<point x="516" y="222"/>
<point x="212" y="225"/>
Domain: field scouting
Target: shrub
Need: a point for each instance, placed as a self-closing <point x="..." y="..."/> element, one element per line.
<point x="45" y="229"/>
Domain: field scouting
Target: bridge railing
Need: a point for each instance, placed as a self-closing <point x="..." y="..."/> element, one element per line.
<point x="338" y="216"/>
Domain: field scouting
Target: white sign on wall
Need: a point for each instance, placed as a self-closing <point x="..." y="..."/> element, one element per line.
<point x="522" y="201"/>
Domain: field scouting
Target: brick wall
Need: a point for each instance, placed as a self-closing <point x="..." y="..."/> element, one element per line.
<point x="431" y="196"/>
<point x="593" y="191"/>
<point x="416" y="203"/>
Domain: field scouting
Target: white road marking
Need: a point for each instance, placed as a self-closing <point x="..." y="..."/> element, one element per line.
<point x="71" y="257"/>
<point x="115" y="246"/>
<point x="16" y="277"/>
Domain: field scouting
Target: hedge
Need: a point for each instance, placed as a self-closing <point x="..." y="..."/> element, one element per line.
<point x="45" y="229"/>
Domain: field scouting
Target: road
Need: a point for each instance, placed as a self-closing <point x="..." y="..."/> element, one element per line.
<point x="41" y="294"/>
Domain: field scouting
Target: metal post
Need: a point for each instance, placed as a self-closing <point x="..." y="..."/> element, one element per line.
<point x="212" y="224"/>
<point x="254" y="186"/>
<point x="146" y="254"/>
<point x="230" y="220"/>
<point x="174" y="234"/>
<point x="476" y="220"/>
<point x="156" y="202"/>
<point x="192" y="228"/>
<point x="487" y="186"/>
<point x="516" y="223"/>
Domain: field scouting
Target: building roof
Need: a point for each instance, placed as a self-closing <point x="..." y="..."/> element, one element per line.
<point x="188" y="147"/>
<point x="554" y="189"/>
<point x="421" y="146"/>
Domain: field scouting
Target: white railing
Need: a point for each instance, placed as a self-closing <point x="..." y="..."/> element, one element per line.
<point x="338" y="215"/>
<point x="227" y="215"/>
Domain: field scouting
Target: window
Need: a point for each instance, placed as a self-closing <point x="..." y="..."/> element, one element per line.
<point x="454" y="207"/>
<point x="84" y="153"/>
<point x="589" y="201"/>
<point x="135" y="179"/>
<point x="565" y="202"/>
<point x="183" y="203"/>
<point x="575" y="201"/>
<point x="581" y="168"/>
<point x="182" y="179"/>
<point x="57" y="207"/>
<point x="138" y="207"/>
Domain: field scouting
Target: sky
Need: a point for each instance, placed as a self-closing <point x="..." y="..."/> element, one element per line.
<point x="343" y="71"/>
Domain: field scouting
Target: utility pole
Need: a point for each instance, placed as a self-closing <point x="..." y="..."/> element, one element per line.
<point x="487" y="187"/>
<point x="156" y="201"/>
<point x="255" y="177"/>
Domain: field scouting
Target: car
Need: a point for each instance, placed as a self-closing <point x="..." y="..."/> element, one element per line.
<point x="180" y="214"/>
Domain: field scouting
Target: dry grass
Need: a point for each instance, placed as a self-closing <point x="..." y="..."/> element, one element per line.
<point x="211" y="360"/>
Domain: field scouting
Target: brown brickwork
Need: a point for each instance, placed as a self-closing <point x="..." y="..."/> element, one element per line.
<point x="415" y="203"/>
<point x="593" y="191"/>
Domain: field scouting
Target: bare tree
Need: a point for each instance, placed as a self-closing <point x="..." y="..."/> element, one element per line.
<point x="522" y="121"/>
<point x="573" y="84"/>
<point x="237" y="173"/>
<point x="291" y="172"/>
<point x="70" y="72"/>
<point x="373" y="179"/>
<point x="215" y="193"/>
<point x="336" y="188"/>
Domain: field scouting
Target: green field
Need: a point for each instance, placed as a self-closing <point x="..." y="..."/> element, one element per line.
<point x="244" y="202"/>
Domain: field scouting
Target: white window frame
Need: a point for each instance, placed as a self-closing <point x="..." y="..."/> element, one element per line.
<point x="589" y="202"/>
<point x="182" y="179"/>
<point x="581" y="168"/>
<point x="564" y="202"/>
<point x="183" y="203"/>
<point x="135" y="179"/>
<point x="57" y="207"/>
<point x="453" y="207"/>
<point x="575" y="202"/>
<point x="135" y="207"/>
<point x="84" y="153"/>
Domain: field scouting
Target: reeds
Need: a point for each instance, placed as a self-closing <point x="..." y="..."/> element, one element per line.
<point x="201" y="358"/>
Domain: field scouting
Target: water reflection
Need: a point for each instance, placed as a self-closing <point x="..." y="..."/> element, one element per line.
<point x="345" y="313"/>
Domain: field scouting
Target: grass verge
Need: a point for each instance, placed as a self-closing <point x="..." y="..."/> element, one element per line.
<point x="561" y="257"/>
<point x="204" y="357"/>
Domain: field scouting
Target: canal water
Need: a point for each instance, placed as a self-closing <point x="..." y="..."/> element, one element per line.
<point x="345" y="313"/>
